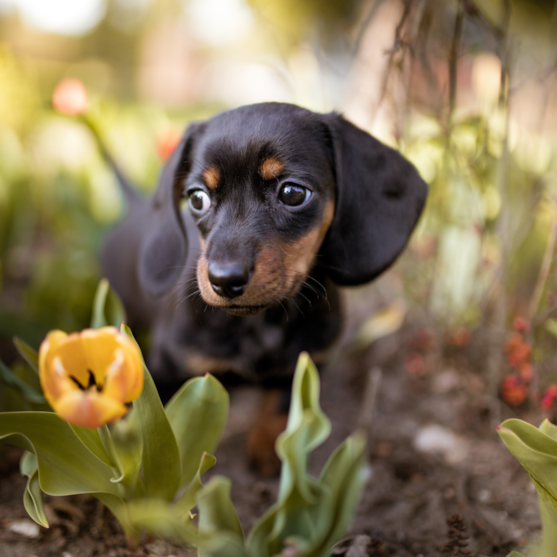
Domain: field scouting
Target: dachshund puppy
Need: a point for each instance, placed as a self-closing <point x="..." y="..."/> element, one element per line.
<point x="260" y="213"/>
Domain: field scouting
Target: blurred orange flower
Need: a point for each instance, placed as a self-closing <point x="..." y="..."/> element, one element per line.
<point x="70" y="97"/>
<point x="89" y="377"/>
<point x="518" y="351"/>
<point x="513" y="390"/>
<point x="460" y="336"/>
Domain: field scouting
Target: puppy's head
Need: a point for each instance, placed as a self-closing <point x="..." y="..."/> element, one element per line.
<point x="275" y="190"/>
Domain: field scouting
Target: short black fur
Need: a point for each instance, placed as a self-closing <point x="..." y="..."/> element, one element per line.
<point x="377" y="196"/>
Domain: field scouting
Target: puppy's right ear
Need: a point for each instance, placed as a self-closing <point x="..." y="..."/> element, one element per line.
<point x="164" y="245"/>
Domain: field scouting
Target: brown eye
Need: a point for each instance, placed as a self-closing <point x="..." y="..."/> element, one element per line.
<point x="293" y="195"/>
<point x="200" y="202"/>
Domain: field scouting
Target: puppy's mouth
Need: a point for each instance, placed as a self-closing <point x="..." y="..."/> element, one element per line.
<point x="243" y="311"/>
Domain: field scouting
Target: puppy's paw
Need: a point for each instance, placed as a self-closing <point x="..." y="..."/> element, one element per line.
<point x="269" y="423"/>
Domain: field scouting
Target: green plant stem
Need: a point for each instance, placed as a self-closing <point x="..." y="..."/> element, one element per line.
<point x="108" y="443"/>
<point x="548" y="547"/>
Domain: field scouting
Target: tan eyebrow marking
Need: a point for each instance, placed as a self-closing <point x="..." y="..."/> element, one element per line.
<point x="211" y="176"/>
<point x="270" y="169"/>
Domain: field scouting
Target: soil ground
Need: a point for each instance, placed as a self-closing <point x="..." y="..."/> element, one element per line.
<point x="433" y="453"/>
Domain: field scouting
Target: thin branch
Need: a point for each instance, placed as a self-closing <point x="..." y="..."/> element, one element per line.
<point x="544" y="270"/>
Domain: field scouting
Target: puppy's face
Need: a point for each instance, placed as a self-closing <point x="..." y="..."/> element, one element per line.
<point x="260" y="187"/>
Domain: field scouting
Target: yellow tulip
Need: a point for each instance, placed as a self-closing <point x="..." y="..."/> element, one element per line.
<point x="89" y="378"/>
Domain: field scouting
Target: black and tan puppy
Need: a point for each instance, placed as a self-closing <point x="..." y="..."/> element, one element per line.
<point x="279" y="205"/>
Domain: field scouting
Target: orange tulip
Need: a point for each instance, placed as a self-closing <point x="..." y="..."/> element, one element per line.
<point x="89" y="378"/>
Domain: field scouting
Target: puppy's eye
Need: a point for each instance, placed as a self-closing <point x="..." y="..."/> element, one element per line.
<point x="293" y="195"/>
<point x="200" y="202"/>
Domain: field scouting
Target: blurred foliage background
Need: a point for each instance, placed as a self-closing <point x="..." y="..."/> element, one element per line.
<point x="467" y="90"/>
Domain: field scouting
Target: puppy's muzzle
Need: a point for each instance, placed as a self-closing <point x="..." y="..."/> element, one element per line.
<point x="229" y="279"/>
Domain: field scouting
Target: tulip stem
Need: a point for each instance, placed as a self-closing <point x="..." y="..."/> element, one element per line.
<point x="108" y="444"/>
<point x="548" y="547"/>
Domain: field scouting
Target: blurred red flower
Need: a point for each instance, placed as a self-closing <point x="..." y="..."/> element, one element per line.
<point x="414" y="364"/>
<point x="548" y="399"/>
<point x="521" y="325"/>
<point x="422" y="340"/>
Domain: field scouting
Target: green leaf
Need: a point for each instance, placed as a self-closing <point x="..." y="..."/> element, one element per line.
<point x="537" y="453"/>
<point x="12" y="380"/>
<point x="188" y="500"/>
<point x="158" y="517"/>
<point x="33" y="496"/>
<point x="161" y="456"/>
<point x="107" y="307"/>
<point x="128" y="449"/>
<point x="197" y="414"/>
<point x="66" y="466"/>
<point x="344" y="476"/>
<point x="220" y="532"/>
<point x="301" y="499"/>
<point x="30" y="355"/>
<point x="549" y="429"/>
<point x="307" y="428"/>
<point x="92" y="440"/>
<point x="310" y="515"/>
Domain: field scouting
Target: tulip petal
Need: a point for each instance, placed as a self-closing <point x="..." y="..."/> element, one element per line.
<point x="89" y="408"/>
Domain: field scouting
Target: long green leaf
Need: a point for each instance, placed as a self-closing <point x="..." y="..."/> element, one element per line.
<point x="12" y="380"/>
<point x="197" y="414"/>
<point x="33" y="497"/>
<point x="161" y="456"/>
<point x="188" y="500"/>
<point x="343" y="475"/>
<point x="220" y="532"/>
<point x="92" y="440"/>
<point x="66" y="465"/>
<point x="158" y="517"/>
<point x="301" y="499"/>
<point x="128" y="450"/>
<point x="30" y="355"/>
<point x="537" y="453"/>
<point x="107" y="307"/>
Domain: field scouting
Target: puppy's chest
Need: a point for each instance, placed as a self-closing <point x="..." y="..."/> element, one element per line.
<point x="259" y="346"/>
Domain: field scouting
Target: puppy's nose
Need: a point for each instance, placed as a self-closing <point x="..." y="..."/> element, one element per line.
<point x="228" y="279"/>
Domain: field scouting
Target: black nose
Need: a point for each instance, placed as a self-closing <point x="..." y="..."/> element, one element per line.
<point x="228" y="279"/>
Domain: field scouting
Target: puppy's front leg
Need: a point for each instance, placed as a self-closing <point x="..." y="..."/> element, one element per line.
<point x="269" y="422"/>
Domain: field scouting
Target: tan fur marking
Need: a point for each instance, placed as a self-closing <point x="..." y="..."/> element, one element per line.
<point x="271" y="168"/>
<point x="200" y="365"/>
<point x="211" y="176"/>
<point x="301" y="253"/>
<point x="279" y="270"/>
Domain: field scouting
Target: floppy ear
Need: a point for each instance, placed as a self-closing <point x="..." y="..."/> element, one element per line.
<point x="164" y="246"/>
<point x="380" y="197"/>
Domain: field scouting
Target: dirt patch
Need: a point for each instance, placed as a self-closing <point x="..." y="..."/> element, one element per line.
<point x="433" y="453"/>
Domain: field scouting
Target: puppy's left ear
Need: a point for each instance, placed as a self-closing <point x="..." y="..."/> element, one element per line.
<point x="164" y="245"/>
<point x="379" y="199"/>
